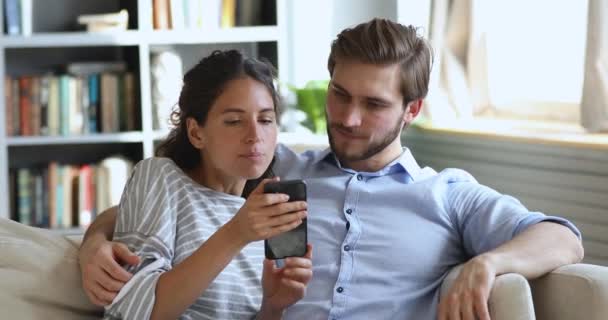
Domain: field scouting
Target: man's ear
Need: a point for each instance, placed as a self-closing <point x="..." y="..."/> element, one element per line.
<point x="412" y="110"/>
<point x="195" y="134"/>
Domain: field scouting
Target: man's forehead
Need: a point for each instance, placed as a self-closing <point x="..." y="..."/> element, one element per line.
<point x="367" y="80"/>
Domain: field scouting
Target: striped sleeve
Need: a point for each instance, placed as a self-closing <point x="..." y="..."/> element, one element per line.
<point x="146" y="225"/>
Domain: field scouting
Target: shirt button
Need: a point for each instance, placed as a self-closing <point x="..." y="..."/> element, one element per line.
<point x="359" y="177"/>
<point x="349" y="211"/>
<point x="340" y="289"/>
<point x="346" y="248"/>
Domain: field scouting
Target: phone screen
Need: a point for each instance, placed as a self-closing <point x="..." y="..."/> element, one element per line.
<point x="293" y="242"/>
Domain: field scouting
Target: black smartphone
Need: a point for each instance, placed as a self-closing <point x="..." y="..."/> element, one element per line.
<point x="293" y="242"/>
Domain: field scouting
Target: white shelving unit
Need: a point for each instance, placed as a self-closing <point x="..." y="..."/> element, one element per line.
<point x="145" y="40"/>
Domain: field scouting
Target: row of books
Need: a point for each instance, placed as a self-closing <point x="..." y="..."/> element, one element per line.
<point x="66" y="196"/>
<point x="196" y="14"/>
<point x="70" y="104"/>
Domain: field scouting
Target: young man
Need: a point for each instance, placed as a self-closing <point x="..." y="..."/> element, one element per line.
<point x="385" y="231"/>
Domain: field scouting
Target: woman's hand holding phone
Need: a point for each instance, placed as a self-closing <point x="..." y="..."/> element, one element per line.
<point x="265" y="215"/>
<point x="286" y="285"/>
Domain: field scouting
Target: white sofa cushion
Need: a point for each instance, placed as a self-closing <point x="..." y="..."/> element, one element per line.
<point x="39" y="275"/>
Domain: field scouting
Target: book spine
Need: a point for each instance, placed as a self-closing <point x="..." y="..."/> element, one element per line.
<point x="13" y="16"/>
<point x="24" y="198"/>
<point x="93" y="103"/>
<point x="44" y="105"/>
<point x="25" y="89"/>
<point x="8" y="105"/>
<point x="161" y="14"/>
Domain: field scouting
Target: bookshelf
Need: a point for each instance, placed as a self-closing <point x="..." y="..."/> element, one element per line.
<point x="57" y="40"/>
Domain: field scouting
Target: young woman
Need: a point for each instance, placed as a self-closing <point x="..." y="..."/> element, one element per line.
<point x="183" y="215"/>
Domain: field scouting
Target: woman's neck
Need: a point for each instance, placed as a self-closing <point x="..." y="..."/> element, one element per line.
<point x="213" y="179"/>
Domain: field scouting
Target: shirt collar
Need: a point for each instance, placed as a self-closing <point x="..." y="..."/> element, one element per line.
<point x="405" y="162"/>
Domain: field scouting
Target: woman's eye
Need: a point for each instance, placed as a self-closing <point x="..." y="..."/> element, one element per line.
<point x="267" y="121"/>
<point x="232" y="122"/>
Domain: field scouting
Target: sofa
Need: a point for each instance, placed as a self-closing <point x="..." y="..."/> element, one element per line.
<point x="40" y="279"/>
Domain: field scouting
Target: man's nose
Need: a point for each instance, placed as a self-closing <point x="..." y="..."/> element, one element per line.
<point x="352" y="116"/>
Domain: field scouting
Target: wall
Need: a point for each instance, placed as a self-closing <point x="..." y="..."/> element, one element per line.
<point x="313" y="24"/>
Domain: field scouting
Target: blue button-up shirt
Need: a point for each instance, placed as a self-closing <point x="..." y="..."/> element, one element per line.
<point x="384" y="241"/>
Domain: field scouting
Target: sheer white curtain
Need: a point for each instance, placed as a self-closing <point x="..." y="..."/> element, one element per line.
<point x="520" y="59"/>
<point x="594" y="105"/>
<point x="459" y="77"/>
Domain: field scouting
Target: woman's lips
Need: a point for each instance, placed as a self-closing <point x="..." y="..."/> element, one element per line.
<point x="253" y="155"/>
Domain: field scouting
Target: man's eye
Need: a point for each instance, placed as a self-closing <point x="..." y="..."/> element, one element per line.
<point x="232" y="122"/>
<point x="340" y="93"/>
<point x="267" y="121"/>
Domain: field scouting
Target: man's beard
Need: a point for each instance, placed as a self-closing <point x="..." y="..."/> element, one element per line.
<point x="373" y="148"/>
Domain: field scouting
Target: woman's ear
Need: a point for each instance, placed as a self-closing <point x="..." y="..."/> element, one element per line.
<point x="195" y="134"/>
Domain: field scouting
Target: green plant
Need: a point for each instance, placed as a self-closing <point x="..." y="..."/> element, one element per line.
<point x="311" y="99"/>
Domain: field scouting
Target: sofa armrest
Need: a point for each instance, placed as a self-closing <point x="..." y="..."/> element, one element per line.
<point x="577" y="291"/>
<point x="510" y="298"/>
<point x="40" y="276"/>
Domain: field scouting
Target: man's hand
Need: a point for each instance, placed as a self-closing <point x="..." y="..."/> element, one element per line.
<point x="468" y="297"/>
<point x="100" y="266"/>
<point x="285" y="286"/>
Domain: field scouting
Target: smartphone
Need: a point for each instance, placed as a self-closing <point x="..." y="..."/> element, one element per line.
<point x="293" y="242"/>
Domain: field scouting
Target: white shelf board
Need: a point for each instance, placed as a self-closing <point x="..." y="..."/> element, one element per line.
<point x="76" y="139"/>
<point x="72" y="39"/>
<point x="203" y="36"/>
<point x="134" y="37"/>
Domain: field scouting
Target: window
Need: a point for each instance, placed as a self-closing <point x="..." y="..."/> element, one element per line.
<point x="520" y="59"/>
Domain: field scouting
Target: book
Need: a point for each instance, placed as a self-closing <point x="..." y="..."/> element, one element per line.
<point x="35" y="106"/>
<point x="93" y="114"/>
<point x="109" y="103"/>
<point x="26" y="17"/>
<point x="76" y="118"/>
<point x="131" y="112"/>
<point x="15" y="107"/>
<point x="248" y="12"/>
<point x="25" y="105"/>
<point x="84" y="103"/>
<point x="117" y="170"/>
<point x="53" y="183"/>
<point x="228" y="18"/>
<point x="44" y="104"/>
<point x="8" y="105"/>
<point x="54" y="106"/>
<point x="12" y="16"/>
<point x="64" y="104"/>
<point x="161" y="17"/>
<point x="13" y="194"/>
<point x="38" y="197"/>
<point x="102" y="196"/>
<point x="24" y="205"/>
<point x="85" y="196"/>
<point x="105" y="22"/>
